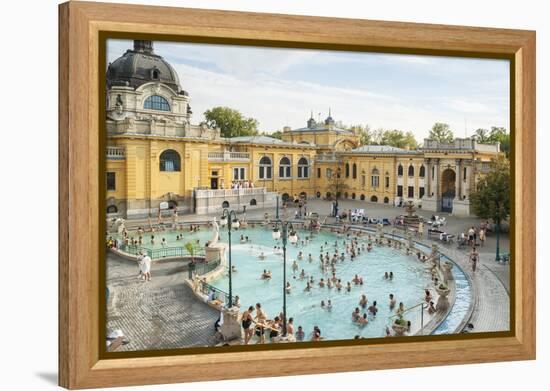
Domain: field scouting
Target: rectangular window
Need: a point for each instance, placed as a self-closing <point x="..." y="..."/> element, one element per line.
<point x="411" y="192"/>
<point x="387" y="182"/>
<point x="111" y="181"/>
<point x="239" y="173"/>
<point x="465" y="171"/>
<point x="400" y="191"/>
<point x="420" y="192"/>
<point x="375" y="181"/>
<point x="363" y="180"/>
<point x="318" y="173"/>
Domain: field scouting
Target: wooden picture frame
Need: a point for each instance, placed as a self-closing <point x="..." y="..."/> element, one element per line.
<point x="82" y="28"/>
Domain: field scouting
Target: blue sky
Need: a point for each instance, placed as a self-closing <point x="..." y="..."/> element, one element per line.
<point x="280" y="87"/>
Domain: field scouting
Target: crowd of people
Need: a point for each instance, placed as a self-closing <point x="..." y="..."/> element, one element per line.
<point x="331" y="257"/>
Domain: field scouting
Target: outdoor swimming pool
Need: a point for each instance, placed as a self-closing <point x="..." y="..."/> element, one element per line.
<point x="411" y="278"/>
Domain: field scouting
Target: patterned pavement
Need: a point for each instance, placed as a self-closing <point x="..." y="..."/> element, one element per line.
<point x="160" y="314"/>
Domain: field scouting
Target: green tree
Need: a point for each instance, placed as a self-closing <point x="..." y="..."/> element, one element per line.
<point x="441" y="132"/>
<point x="231" y="122"/>
<point x="501" y="135"/>
<point x="398" y="138"/>
<point x="276" y="134"/>
<point x="366" y="136"/>
<point x="481" y="135"/>
<point x="336" y="184"/>
<point x="491" y="197"/>
<point x="192" y="250"/>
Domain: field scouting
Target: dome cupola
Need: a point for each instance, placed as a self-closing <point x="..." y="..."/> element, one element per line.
<point x="141" y="65"/>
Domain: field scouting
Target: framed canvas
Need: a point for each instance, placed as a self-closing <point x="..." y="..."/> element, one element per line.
<point x="183" y="232"/>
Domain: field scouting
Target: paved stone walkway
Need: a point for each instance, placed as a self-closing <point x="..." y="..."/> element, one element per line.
<point x="160" y="314"/>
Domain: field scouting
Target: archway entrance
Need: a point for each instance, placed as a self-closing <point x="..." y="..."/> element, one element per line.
<point x="448" y="192"/>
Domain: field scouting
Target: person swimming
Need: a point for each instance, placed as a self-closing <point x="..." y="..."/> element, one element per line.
<point x="373" y="309"/>
<point x="355" y="314"/>
<point x="401" y="308"/>
<point x="392" y="301"/>
<point x="362" y="320"/>
<point x="363" y="301"/>
<point x="300" y="334"/>
<point x="262" y="255"/>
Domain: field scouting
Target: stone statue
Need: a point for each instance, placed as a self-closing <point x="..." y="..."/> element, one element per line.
<point x="119" y="104"/>
<point x="120" y="225"/>
<point x="215" y="233"/>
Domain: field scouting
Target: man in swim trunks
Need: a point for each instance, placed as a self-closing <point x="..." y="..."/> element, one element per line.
<point x="246" y="322"/>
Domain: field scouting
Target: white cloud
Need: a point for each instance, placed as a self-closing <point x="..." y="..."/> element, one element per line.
<point x="256" y="82"/>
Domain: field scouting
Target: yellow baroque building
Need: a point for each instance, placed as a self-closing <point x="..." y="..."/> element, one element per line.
<point x="157" y="159"/>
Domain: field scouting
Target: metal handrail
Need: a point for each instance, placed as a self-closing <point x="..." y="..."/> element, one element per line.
<point x="407" y="310"/>
<point x="159" y="253"/>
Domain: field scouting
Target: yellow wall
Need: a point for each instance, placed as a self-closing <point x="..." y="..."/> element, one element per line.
<point x="138" y="176"/>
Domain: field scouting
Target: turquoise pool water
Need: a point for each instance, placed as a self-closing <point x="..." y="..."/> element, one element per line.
<point x="410" y="280"/>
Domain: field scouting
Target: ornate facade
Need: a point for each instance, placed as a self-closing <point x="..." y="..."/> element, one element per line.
<point x="156" y="157"/>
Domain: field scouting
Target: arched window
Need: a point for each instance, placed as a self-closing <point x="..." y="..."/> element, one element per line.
<point x="386" y="200"/>
<point x="156" y="102"/>
<point x="352" y="196"/>
<point x="411" y="170"/>
<point x="265" y="168"/>
<point x="346" y="195"/>
<point x="284" y="168"/>
<point x="303" y="168"/>
<point x="303" y="195"/>
<point x="170" y="161"/>
<point x="362" y="197"/>
<point x="375" y="178"/>
<point x="112" y="209"/>
<point x="253" y="202"/>
<point x="400" y="170"/>
<point x="347" y="170"/>
<point x="374" y="199"/>
<point x="422" y="172"/>
<point x="225" y="204"/>
<point x="354" y="171"/>
<point x="387" y="184"/>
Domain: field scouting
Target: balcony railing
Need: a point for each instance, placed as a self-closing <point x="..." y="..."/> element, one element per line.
<point x="229" y="192"/>
<point x="327" y="157"/>
<point x="226" y="156"/>
<point x="115" y="153"/>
